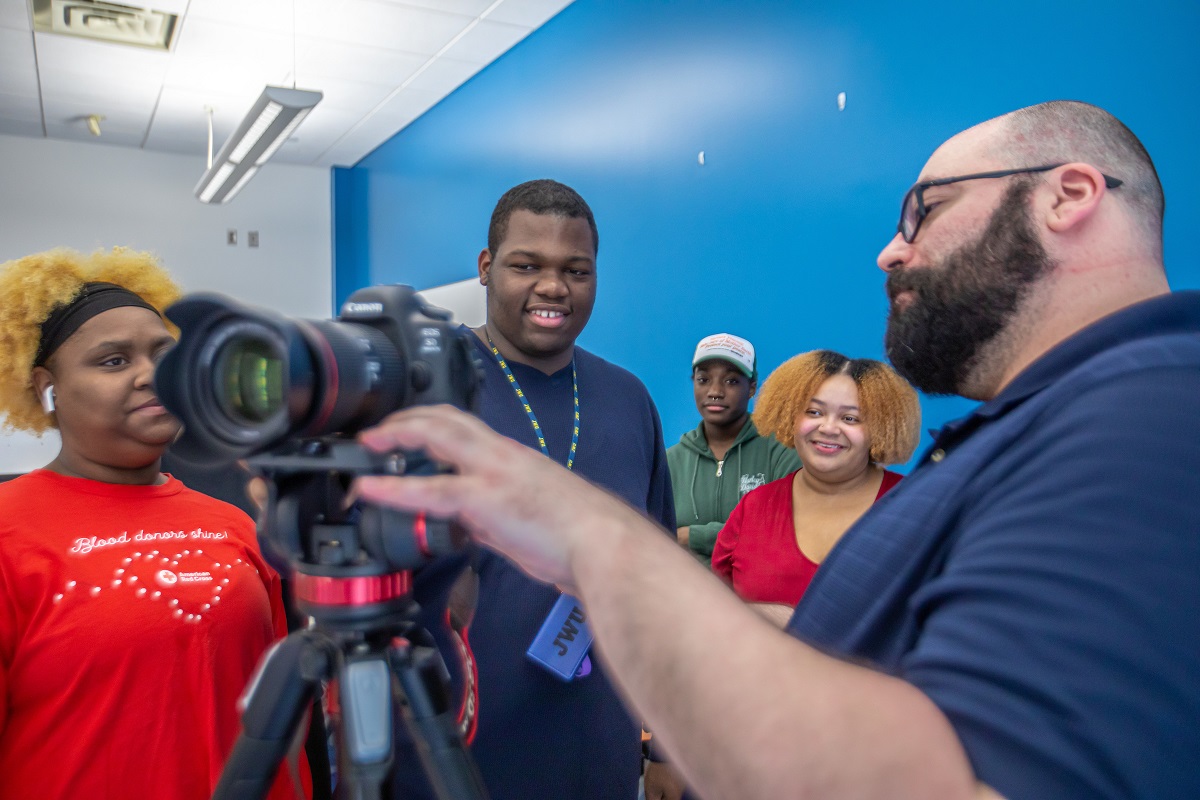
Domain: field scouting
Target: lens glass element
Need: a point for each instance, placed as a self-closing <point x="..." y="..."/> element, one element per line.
<point x="249" y="380"/>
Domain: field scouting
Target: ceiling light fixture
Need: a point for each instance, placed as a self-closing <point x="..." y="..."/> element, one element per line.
<point x="93" y="123"/>
<point x="271" y="120"/>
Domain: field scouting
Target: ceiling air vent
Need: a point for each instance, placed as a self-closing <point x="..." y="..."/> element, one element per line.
<point x="106" y="22"/>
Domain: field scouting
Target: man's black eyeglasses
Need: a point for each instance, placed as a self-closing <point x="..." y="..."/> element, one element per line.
<point x="913" y="211"/>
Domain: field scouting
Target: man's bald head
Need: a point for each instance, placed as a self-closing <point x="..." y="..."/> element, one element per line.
<point x="1067" y="130"/>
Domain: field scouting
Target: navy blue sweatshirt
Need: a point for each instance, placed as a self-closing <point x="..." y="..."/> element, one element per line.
<point x="538" y="736"/>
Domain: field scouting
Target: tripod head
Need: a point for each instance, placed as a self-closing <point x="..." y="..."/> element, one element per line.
<point x="350" y="565"/>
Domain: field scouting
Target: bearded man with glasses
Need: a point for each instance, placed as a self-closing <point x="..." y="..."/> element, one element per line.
<point x="1018" y="617"/>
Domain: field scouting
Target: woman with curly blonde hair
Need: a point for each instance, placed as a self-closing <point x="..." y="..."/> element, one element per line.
<point x="846" y="418"/>
<point x="132" y="610"/>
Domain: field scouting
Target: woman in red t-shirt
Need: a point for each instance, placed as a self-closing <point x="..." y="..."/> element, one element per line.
<point x="846" y="418"/>
<point x="132" y="610"/>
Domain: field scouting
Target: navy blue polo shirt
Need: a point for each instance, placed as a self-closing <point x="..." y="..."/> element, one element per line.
<point x="1038" y="574"/>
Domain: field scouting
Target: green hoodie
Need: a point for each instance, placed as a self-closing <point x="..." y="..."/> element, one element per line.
<point x="706" y="490"/>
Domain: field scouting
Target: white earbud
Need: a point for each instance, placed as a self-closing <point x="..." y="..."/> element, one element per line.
<point x="48" y="399"/>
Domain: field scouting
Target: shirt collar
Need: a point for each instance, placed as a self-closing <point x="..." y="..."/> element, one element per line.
<point x="1168" y="313"/>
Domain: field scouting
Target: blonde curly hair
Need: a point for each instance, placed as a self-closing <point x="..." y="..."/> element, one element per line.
<point x="33" y="286"/>
<point x="888" y="404"/>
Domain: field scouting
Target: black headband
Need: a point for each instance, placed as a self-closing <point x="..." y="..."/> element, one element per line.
<point x="93" y="299"/>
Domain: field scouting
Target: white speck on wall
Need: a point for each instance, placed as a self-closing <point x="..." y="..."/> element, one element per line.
<point x="841" y="101"/>
<point x="700" y="158"/>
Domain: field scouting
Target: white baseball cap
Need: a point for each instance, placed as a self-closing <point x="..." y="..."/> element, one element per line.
<point x="729" y="348"/>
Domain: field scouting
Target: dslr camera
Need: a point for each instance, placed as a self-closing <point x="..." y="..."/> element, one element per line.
<point x="288" y="395"/>
<point x="244" y="381"/>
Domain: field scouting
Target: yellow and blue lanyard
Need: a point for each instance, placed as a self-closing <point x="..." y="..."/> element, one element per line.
<point x="562" y="643"/>
<point x="537" y="429"/>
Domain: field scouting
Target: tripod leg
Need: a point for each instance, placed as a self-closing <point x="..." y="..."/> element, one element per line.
<point x="430" y="719"/>
<point x="364" y="741"/>
<point x="281" y="690"/>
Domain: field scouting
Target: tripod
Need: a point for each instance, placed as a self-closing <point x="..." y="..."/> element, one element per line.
<point x="351" y="574"/>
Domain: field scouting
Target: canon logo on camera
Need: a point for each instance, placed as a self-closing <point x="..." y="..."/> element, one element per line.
<point x="362" y="308"/>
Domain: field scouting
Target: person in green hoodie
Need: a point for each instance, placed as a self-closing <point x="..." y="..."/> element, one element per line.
<point x="725" y="457"/>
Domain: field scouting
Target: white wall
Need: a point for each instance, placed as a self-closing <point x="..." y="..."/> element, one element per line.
<point x="90" y="196"/>
<point x="466" y="300"/>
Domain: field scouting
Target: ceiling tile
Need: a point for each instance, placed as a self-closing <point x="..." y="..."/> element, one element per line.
<point x="409" y="103"/>
<point x="17" y="72"/>
<point x="486" y="42"/>
<point x="300" y="152"/>
<point x="356" y="145"/>
<point x="444" y="75"/>
<point x="73" y="54"/>
<point x="73" y="111"/>
<point x="14" y="15"/>
<point x="274" y="15"/>
<point x="21" y="107"/>
<point x="110" y="135"/>
<point x="319" y="131"/>
<point x="181" y="106"/>
<point x="19" y="127"/>
<point x="387" y="25"/>
<point x="182" y="137"/>
<point x="209" y="54"/>
<point x="471" y="8"/>
<point x="318" y="58"/>
<point x="98" y="87"/>
<point x="352" y="95"/>
<point x="369" y="132"/>
<point x="530" y="13"/>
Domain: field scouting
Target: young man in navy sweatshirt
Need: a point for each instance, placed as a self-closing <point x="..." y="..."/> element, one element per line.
<point x="535" y="731"/>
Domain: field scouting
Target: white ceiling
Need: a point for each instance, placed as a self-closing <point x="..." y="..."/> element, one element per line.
<point x="380" y="64"/>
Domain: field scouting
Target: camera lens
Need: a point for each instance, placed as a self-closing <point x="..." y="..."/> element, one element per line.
<point x="249" y="379"/>
<point x="361" y="377"/>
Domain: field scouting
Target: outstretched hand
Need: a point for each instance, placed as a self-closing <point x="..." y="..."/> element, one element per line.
<point x="508" y="496"/>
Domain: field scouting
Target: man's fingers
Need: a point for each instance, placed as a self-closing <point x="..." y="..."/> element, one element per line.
<point x="497" y="491"/>
<point x="440" y="495"/>
<point x="443" y="432"/>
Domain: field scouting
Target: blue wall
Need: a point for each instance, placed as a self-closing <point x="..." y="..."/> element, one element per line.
<point x="775" y="237"/>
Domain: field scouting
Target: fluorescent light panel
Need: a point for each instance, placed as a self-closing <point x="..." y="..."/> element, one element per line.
<point x="255" y="132"/>
<point x="282" y="137"/>
<point x="216" y="183"/>
<point x="237" y="187"/>
<point x="270" y="121"/>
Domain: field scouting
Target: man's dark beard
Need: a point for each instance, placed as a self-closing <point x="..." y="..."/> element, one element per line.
<point x="962" y="303"/>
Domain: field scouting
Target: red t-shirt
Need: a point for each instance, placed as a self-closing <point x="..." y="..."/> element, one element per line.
<point x="756" y="552"/>
<point x="131" y="618"/>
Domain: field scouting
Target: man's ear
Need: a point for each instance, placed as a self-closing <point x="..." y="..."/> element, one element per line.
<point x="485" y="265"/>
<point x="753" y="388"/>
<point x="1078" y="189"/>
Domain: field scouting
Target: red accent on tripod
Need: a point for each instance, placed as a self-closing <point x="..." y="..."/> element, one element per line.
<point x="356" y="591"/>
<point x="421" y="532"/>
